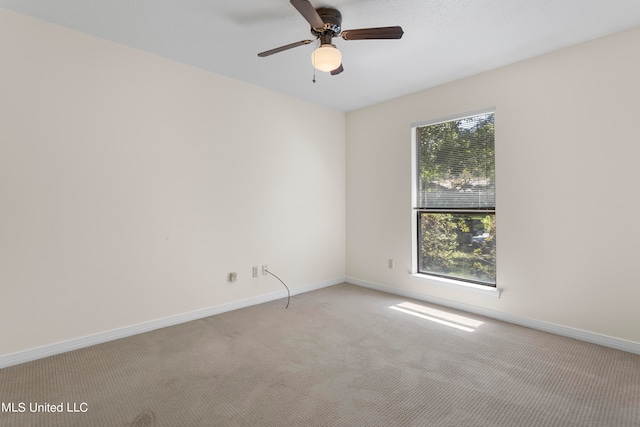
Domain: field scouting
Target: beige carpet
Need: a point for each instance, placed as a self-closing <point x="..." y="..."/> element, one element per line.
<point x="338" y="356"/>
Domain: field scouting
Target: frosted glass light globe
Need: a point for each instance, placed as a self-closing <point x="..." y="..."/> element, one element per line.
<point x="326" y="58"/>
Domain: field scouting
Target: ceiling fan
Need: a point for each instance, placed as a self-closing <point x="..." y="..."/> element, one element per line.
<point x="325" y="24"/>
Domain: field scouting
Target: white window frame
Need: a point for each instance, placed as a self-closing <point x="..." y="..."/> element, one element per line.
<point x="426" y="278"/>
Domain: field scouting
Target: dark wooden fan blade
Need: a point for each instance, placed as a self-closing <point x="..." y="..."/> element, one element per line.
<point x="373" y="33"/>
<point x="337" y="70"/>
<point x="309" y="13"/>
<point x="281" y="48"/>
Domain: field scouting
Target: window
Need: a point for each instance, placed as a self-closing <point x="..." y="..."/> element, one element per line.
<point x="454" y="199"/>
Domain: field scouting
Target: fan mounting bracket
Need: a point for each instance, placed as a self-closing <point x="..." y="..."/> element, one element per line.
<point x="332" y="19"/>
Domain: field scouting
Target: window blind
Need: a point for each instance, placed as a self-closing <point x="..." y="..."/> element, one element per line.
<point x="455" y="164"/>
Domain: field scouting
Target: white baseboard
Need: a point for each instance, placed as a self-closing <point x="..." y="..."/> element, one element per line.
<point x="604" y="340"/>
<point x="87" y="341"/>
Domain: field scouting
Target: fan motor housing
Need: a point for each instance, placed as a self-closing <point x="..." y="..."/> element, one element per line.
<point x="332" y="19"/>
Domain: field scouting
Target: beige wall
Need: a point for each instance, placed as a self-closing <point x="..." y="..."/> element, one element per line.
<point x="567" y="151"/>
<point x="131" y="185"/>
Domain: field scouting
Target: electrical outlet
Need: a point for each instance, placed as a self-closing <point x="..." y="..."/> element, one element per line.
<point x="390" y="263"/>
<point x="254" y="271"/>
<point x="264" y="269"/>
<point x="233" y="276"/>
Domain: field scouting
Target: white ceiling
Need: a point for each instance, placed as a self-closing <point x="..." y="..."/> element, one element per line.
<point x="444" y="40"/>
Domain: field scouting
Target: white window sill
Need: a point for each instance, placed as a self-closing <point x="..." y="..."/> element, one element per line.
<point x="457" y="284"/>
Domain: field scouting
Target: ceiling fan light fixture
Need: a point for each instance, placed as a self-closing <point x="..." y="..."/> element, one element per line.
<point x="326" y="23"/>
<point x="326" y="57"/>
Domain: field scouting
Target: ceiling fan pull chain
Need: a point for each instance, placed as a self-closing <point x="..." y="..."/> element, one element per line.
<point x="314" y="69"/>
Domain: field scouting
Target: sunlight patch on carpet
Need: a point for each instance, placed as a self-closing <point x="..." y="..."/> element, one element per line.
<point x="438" y="316"/>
